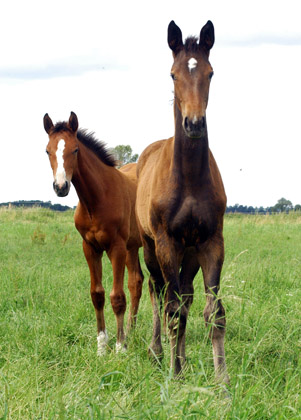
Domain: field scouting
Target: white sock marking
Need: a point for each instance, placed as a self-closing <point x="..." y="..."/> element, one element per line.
<point x="120" y="348"/>
<point x="102" y="340"/>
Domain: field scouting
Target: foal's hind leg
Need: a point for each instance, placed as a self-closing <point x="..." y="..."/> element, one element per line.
<point x="117" y="256"/>
<point x="211" y="260"/>
<point x="135" y="280"/>
<point x="97" y="295"/>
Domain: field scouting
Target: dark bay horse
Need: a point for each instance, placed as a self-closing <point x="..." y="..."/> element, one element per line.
<point x="105" y="216"/>
<point x="180" y="206"/>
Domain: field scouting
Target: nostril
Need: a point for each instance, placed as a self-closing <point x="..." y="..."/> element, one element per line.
<point x="203" y="122"/>
<point x="186" y="123"/>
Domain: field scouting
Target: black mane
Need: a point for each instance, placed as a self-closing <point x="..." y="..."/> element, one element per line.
<point x="98" y="147"/>
<point x="89" y="140"/>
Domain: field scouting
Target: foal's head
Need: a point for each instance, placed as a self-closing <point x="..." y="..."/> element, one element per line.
<point x="191" y="73"/>
<point x="62" y="150"/>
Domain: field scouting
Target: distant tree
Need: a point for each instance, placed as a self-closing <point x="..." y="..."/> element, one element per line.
<point x="298" y="207"/>
<point x="124" y="154"/>
<point x="283" y="205"/>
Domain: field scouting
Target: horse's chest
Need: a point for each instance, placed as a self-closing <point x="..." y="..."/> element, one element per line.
<point x="192" y="222"/>
<point x="93" y="233"/>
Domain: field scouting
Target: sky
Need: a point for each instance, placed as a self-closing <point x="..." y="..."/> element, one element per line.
<point x="109" y="62"/>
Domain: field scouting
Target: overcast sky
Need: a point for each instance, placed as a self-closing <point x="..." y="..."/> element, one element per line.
<point x="109" y="62"/>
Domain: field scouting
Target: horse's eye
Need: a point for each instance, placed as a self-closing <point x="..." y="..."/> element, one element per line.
<point x="173" y="76"/>
<point x="75" y="151"/>
<point x="210" y="75"/>
<point x="47" y="152"/>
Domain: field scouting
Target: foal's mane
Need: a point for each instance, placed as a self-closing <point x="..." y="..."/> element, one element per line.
<point x="89" y="140"/>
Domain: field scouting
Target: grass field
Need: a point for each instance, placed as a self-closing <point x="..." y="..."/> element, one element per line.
<point x="48" y="364"/>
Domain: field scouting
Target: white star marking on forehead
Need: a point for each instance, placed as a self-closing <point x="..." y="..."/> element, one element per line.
<point x="192" y="63"/>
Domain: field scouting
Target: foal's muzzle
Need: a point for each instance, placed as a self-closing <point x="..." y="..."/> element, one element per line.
<point x="195" y="128"/>
<point x="61" y="190"/>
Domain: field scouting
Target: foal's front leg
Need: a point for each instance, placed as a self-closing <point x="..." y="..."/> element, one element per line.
<point x="97" y="294"/>
<point x="169" y="255"/>
<point x="117" y="256"/>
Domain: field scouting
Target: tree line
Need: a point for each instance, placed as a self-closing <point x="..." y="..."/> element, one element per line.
<point x="282" y="206"/>
<point x="35" y="203"/>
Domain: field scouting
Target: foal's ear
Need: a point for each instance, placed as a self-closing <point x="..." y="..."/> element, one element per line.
<point x="48" y="124"/>
<point x="207" y="37"/>
<point x="73" y="122"/>
<point x="174" y="38"/>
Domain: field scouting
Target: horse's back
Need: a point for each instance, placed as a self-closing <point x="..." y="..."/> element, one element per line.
<point x="129" y="170"/>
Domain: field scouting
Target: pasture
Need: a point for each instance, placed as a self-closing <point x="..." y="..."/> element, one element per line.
<point x="48" y="363"/>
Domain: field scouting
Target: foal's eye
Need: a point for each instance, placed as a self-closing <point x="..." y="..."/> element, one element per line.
<point x="172" y="76"/>
<point x="210" y="75"/>
<point x="47" y="152"/>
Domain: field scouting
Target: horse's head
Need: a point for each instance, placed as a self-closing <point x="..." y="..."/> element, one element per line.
<point x="62" y="150"/>
<point x="191" y="72"/>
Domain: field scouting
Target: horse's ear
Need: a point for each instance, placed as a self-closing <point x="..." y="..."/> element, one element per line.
<point x="207" y="37"/>
<point x="73" y="122"/>
<point x="174" y="38"/>
<point x="48" y="124"/>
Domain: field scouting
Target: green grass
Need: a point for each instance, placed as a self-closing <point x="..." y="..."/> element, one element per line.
<point x="48" y="363"/>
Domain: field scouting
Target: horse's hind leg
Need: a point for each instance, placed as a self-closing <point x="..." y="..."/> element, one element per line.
<point x="211" y="260"/>
<point x="135" y="280"/>
<point x="97" y="295"/>
<point x="117" y="256"/>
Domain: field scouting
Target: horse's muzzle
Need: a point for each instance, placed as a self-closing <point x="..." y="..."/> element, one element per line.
<point x="61" y="191"/>
<point x="195" y="129"/>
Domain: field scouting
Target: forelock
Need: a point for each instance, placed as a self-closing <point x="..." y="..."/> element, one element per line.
<point x="191" y="44"/>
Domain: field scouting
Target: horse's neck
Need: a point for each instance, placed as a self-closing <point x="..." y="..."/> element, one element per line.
<point x="191" y="156"/>
<point x="88" y="178"/>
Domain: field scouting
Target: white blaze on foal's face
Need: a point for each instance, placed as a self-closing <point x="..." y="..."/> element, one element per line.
<point x="60" y="176"/>
<point x="192" y="63"/>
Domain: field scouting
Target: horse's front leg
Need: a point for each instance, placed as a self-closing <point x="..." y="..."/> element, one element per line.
<point x="189" y="269"/>
<point x="156" y="286"/>
<point x="117" y="256"/>
<point x="211" y="258"/>
<point x="169" y="255"/>
<point x="97" y="294"/>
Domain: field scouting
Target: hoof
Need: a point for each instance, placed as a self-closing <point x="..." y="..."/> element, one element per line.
<point x="156" y="354"/>
<point x="102" y="340"/>
<point x="120" y="348"/>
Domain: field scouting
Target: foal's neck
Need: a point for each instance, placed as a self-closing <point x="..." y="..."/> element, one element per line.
<point x="191" y="156"/>
<point x="88" y="178"/>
